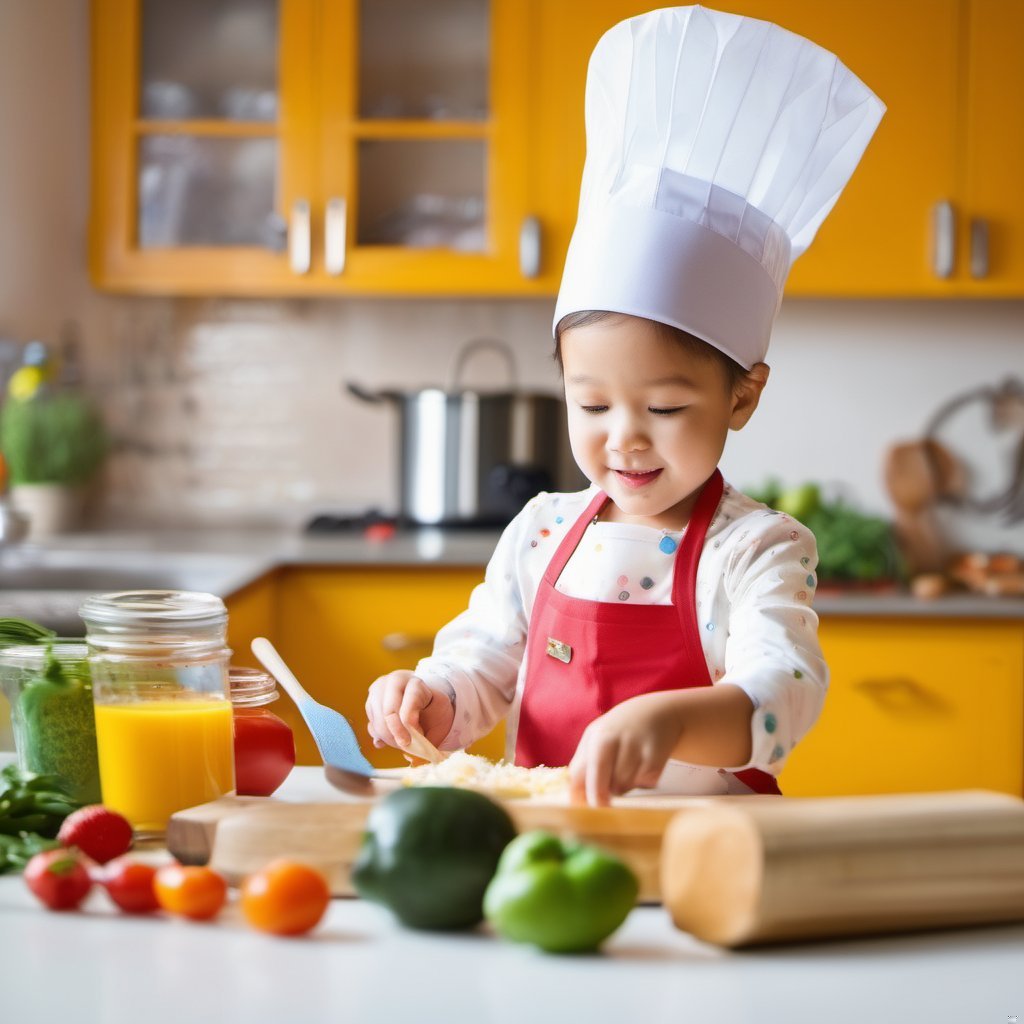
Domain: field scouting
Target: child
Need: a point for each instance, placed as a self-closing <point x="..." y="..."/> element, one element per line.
<point x="656" y="629"/>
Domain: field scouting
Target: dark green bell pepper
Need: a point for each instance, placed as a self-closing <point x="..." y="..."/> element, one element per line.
<point x="428" y="854"/>
<point x="561" y="895"/>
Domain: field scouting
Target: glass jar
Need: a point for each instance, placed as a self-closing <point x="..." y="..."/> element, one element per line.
<point x="50" y="693"/>
<point x="264" y="744"/>
<point x="159" y="660"/>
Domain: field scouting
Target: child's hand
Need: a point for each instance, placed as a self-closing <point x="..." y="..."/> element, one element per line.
<point x="400" y="701"/>
<point x="630" y="744"/>
<point x="627" y="746"/>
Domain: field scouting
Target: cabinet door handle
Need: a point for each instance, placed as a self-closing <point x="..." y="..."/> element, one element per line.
<point x="335" y="229"/>
<point x="399" y="642"/>
<point x="943" y="239"/>
<point x="299" y="237"/>
<point x="529" y="247"/>
<point x="979" y="248"/>
<point x="899" y="693"/>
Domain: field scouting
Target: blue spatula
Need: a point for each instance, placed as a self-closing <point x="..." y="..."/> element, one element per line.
<point x="334" y="737"/>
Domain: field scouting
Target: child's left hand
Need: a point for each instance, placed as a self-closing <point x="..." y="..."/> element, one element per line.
<point x="626" y="747"/>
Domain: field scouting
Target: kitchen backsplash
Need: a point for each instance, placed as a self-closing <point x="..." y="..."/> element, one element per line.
<point x="234" y="411"/>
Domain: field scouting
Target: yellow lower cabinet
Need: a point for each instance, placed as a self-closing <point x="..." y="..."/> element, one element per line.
<point x="916" y="705"/>
<point x="251" y="613"/>
<point x="339" y="629"/>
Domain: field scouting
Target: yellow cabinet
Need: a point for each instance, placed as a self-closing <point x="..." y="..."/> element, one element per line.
<point x="989" y="210"/>
<point x="916" y="705"/>
<point x="339" y="629"/>
<point x="950" y="74"/>
<point x="311" y="147"/>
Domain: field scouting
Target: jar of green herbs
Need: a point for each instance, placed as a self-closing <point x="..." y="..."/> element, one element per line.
<point x="49" y="689"/>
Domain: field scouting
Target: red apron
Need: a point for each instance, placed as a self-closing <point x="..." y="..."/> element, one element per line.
<point x="584" y="657"/>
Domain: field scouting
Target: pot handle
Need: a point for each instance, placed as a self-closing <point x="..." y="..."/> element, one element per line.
<point x="480" y="345"/>
<point x="370" y="396"/>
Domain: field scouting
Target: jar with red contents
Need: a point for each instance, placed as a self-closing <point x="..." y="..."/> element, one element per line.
<point x="264" y="744"/>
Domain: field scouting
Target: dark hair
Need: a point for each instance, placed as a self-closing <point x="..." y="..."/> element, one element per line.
<point x="693" y="345"/>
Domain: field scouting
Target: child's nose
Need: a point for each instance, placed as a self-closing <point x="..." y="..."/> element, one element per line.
<point x="626" y="434"/>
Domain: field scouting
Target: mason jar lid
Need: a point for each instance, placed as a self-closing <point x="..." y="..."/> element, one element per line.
<point x="251" y="686"/>
<point x="176" y="609"/>
<point x="33" y="656"/>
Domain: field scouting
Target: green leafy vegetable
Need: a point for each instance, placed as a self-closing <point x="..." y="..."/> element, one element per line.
<point x="21" y="631"/>
<point x="32" y="808"/>
<point x="852" y="547"/>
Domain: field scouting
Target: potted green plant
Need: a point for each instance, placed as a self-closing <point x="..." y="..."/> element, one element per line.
<point x="54" y="442"/>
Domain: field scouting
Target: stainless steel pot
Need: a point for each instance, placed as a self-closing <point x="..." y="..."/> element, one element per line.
<point x="475" y="458"/>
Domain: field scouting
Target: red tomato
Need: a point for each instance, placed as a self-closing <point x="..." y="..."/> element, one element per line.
<point x="264" y="751"/>
<point x="130" y="884"/>
<point x="286" y="898"/>
<point x="58" y="879"/>
<point x="193" y="892"/>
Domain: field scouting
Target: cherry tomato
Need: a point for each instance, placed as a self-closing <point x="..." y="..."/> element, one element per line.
<point x="264" y="751"/>
<point x="285" y="897"/>
<point x="130" y="884"/>
<point x="58" y="878"/>
<point x="194" y="892"/>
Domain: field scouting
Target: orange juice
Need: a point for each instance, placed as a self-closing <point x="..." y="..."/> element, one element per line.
<point x="161" y="756"/>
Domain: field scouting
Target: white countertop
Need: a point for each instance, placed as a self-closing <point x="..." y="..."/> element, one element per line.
<point x="359" y="965"/>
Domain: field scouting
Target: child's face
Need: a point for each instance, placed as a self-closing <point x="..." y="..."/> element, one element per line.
<point x="647" y="420"/>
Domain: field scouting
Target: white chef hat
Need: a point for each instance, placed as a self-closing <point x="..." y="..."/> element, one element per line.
<point x="716" y="146"/>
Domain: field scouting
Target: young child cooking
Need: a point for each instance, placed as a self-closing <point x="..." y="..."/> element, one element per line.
<point x="656" y="629"/>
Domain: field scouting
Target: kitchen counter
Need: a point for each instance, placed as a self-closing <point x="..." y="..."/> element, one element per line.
<point x="234" y="558"/>
<point x="360" y="965"/>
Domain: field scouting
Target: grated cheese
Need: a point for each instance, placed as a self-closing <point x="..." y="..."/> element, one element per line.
<point x="470" y="771"/>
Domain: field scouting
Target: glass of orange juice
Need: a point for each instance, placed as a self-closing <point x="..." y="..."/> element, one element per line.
<point x="164" y="735"/>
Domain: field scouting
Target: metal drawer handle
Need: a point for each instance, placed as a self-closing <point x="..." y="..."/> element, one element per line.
<point x="397" y="642"/>
<point x="979" y="248"/>
<point x="943" y="239"/>
<point x="299" y="244"/>
<point x="335" y="229"/>
<point x="529" y="247"/>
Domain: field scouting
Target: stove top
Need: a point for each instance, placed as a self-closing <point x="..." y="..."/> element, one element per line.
<point x="379" y="525"/>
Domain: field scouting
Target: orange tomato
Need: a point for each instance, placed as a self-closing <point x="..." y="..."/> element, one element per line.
<point x="193" y="892"/>
<point x="285" y="897"/>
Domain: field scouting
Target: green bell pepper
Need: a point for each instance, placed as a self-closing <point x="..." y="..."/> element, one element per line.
<point x="561" y="895"/>
<point x="428" y="854"/>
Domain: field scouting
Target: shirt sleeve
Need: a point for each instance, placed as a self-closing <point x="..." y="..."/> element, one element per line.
<point x="476" y="656"/>
<point x="772" y="652"/>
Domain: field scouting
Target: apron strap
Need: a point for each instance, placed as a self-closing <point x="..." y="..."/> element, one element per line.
<point x="572" y="539"/>
<point x="684" y="581"/>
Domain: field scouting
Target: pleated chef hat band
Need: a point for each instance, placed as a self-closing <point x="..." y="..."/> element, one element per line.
<point x="716" y="146"/>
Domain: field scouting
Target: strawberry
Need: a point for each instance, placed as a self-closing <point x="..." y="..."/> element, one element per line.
<point x="58" y="879"/>
<point x="97" y="831"/>
<point x="129" y="883"/>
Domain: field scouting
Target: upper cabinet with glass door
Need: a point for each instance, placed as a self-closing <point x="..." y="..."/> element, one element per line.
<point x="312" y="146"/>
<point x="202" y="144"/>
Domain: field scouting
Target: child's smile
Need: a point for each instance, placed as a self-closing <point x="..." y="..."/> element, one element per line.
<point x="648" y="418"/>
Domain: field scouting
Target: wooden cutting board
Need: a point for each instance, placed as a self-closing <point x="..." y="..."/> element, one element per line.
<point x="238" y="835"/>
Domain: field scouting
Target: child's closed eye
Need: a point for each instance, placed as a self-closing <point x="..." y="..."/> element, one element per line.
<point x="594" y="408"/>
<point x="666" y="411"/>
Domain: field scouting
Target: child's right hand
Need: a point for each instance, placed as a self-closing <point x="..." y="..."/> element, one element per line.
<point x="400" y="701"/>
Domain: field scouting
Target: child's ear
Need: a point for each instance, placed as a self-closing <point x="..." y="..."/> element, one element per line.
<point x="747" y="394"/>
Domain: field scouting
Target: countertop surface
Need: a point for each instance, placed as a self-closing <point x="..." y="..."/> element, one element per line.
<point x="96" y="965"/>
<point x="224" y="561"/>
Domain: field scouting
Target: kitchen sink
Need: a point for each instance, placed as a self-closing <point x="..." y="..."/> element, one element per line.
<point x="49" y="587"/>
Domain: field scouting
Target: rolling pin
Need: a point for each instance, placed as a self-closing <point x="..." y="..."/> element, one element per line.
<point x="745" y="873"/>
